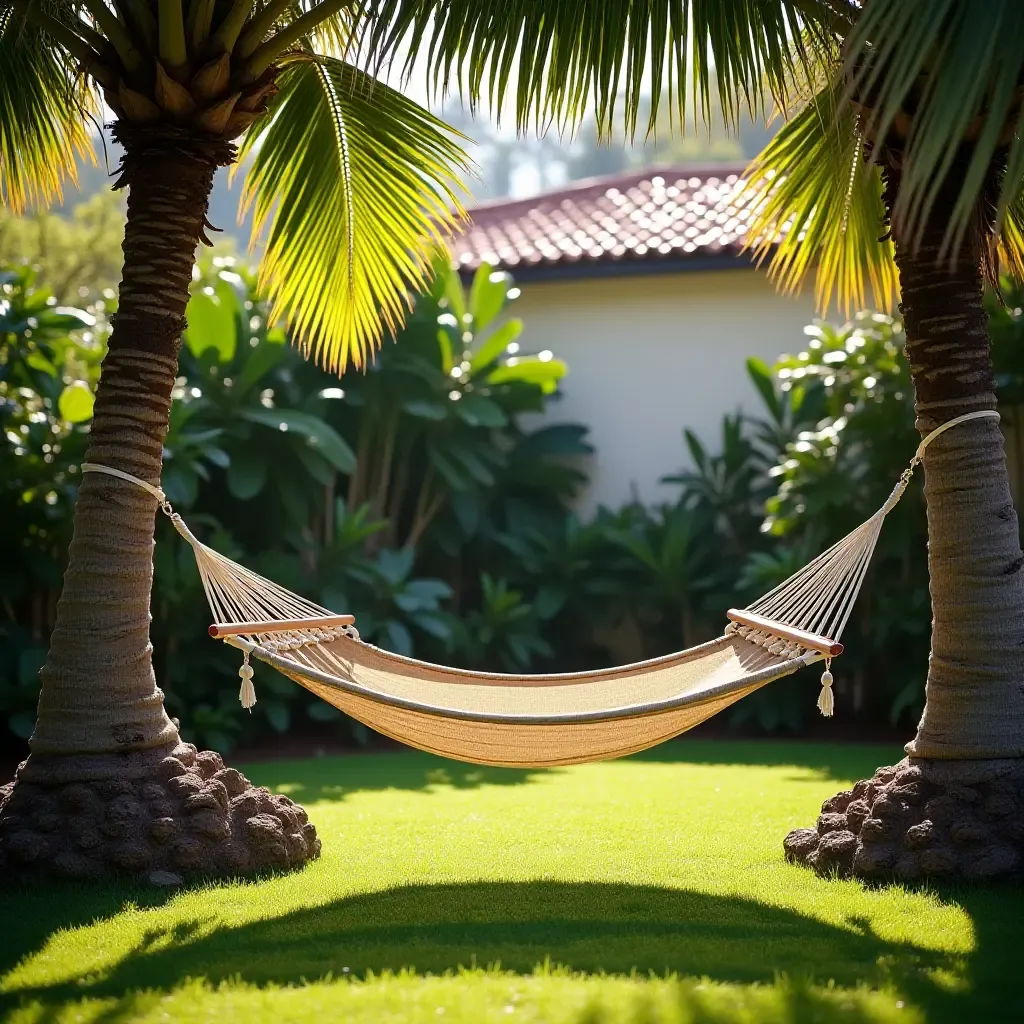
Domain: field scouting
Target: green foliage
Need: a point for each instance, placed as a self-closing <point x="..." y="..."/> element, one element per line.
<point x="49" y="360"/>
<point x="412" y="497"/>
<point x="262" y="446"/>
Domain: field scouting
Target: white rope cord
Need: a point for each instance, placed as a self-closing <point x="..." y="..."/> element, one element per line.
<point x="819" y="598"/>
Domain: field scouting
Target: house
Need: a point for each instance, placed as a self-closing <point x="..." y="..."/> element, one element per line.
<point x="638" y="281"/>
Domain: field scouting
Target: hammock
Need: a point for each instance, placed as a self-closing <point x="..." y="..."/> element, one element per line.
<point x="539" y="720"/>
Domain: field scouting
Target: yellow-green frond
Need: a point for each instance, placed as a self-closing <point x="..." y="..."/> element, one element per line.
<point x="44" y="108"/>
<point x="817" y="205"/>
<point x="350" y="184"/>
<point x="948" y="72"/>
<point x="1011" y="239"/>
<point x="567" y="58"/>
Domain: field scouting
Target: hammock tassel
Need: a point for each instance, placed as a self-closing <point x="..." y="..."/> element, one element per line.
<point x="247" y="692"/>
<point x="826" y="701"/>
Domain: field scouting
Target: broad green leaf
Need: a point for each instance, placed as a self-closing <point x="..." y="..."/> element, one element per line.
<point x="276" y="713"/>
<point x="396" y="638"/>
<point x="487" y="295"/>
<point x="761" y="377"/>
<point x="76" y="402"/>
<point x="424" y="409"/>
<point x="560" y="439"/>
<point x="478" y="411"/>
<point x="211" y="321"/>
<point x="321" y="711"/>
<point x="39" y="362"/>
<point x="395" y="566"/>
<point x="544" y="373"/>
<point x="247" y="473"/>
<point x="454" y="294"/>
<point x="315" y="464"/>
<point x="327" y="441"/>
<point x="496" y="344"/>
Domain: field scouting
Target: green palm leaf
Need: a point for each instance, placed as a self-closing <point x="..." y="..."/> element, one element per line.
<point x="818" y="204"/>
<point x="957" y="66"/>
<point x="43" y="110"/>
<point x="567" y="57"/>
<point x="350" y="185"/>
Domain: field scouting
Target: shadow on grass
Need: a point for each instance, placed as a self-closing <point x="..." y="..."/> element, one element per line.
<point x="590" y="927"/>
<point x="832" y="760"/>
<point x="334" y="778"/>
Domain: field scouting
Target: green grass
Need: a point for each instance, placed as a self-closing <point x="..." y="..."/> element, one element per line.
<point x="648" y="890"/>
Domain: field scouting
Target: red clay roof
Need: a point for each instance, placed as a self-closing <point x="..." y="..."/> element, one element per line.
<point x="662" y="213"/>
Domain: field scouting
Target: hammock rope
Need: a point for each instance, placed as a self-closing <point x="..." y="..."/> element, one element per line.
<point x="492" y="719"/>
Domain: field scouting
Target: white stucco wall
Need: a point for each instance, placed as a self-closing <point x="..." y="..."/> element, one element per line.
<point x="652" y="354"/>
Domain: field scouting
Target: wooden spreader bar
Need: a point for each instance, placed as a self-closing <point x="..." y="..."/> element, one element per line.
<point x="219" y="630"/>
<point x="812" y="641"/>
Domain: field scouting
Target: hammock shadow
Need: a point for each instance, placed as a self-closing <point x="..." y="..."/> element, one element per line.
<point x="589" y="927"/>
<point x="335" y="778"/>
<point x="832" y="760"/>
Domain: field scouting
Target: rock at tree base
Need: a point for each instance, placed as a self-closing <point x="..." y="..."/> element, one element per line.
<point x="949" y="820"/>
<point x="155" y="814"/>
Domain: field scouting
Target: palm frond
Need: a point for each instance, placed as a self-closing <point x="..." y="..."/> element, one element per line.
<point x="1011" y="239"/>
<point x="349" y="182"/>
<point x="44" y="108"/>
<point x="949" y="71"/>
<point x="568" y="57"/>
<point x="818" y="204"/>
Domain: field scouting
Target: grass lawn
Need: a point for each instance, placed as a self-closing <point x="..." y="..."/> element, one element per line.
<point x="647" y="890"/>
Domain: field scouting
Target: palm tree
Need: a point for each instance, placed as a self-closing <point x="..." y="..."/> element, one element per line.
<point x="900" y="111"/>
<point x="349" y="182"/>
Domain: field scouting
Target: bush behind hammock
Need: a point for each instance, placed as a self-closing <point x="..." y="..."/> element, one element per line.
<point x="443" y="524"/>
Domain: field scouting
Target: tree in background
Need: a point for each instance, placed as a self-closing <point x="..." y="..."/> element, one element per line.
<point x="78" y="257"/>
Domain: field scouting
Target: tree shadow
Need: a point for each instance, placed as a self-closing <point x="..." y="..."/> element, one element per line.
<point x="589" y="927"/>
<point x="335" y="778"/>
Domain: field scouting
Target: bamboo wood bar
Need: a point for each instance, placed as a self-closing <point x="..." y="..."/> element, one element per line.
<point x="812" y="641"/>
<point x="219" y="630"/>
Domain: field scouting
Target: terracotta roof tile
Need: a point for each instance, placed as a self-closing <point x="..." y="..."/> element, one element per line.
<point x="662" y="213"/>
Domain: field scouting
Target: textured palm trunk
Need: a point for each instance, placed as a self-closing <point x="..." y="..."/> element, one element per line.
<point x="109" y="787"/>
<point x="99" y="693"/>
<point x="975" y="688"/>
<point x="955" y="807"/>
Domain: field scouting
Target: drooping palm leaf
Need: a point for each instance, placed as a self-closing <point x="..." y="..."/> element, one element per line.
<point x="350" y="183"/>
<point x="566" y="57"/>
<point x="956" y="66"/>
<point x="43" y="111"/>
<point x="819" y="204"/>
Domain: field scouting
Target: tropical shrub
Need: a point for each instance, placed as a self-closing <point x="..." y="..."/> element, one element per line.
<point x="381" y="494"/>
<point x="49" y="362"/>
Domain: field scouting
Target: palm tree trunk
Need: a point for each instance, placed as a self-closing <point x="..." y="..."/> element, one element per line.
<point x="952" y="808"/>
<point x="974" y="696"/>
<point x="109" y="787"/>
<point x="99" y="692"/>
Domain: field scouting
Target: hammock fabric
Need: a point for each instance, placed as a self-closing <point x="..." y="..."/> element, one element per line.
<point x="539" y="720"/>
